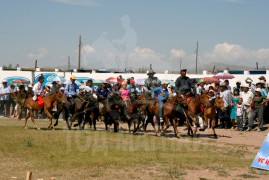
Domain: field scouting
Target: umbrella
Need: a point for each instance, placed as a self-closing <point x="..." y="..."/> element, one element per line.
<point x="140" y="81"/>
<point x="170" y="82"/>
<point x="223" y="75"/>
<point x="210" y="80"/>
<point x="20" y="81"/>
<point x="111" y="80"/>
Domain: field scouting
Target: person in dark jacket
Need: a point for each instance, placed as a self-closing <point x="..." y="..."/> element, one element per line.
<point x="183" y="83"/>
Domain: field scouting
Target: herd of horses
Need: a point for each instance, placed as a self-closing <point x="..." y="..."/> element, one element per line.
<point x="141" y="110"/>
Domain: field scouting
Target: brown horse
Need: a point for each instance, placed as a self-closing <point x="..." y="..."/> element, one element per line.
<point x="150" y="108"/>
<point x="173" y="109"/>
<point x="195" y="110"/>
<point x="210" y="111"/>
<point x="49" y="100"/>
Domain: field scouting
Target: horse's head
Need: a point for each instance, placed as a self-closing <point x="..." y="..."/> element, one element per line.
<point x="205" y="100"/>
<point x="219" y="104"/>
<point x="60" y="96"/>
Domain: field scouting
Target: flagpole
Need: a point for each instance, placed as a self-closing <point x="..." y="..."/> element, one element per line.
<point x="196" y="58"/>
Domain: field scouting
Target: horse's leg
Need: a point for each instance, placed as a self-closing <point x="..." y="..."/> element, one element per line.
<point x="213" y="124"/>
<point x="175" y="126"/>
<point x="66" y="115"/>
<point x="46" y="111"/>
<point x="26" y="119"/>
<point x="33" y="119"/>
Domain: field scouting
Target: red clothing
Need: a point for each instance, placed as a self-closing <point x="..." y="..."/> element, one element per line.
<point x="40" y="101"/>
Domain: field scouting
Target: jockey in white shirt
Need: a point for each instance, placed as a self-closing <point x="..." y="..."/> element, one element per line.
<point x="38" y="91"/>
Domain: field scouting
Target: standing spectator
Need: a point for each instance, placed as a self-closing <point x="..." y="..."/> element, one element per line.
<point x="21" y="97"/>
<point x="238" y="85"/>
<point x="251" y="86"/>
<point x="4" y="99"/>
<point x="228" y="87"/>
<point x="235" y="99"/>
<point x="226" y="95"/>
<point x="240" y="108"/>
<point x="257" y="110"/>
<point x="12" y="101"/>
<point x="247" y="97"/>
<point x="261" y="84"/>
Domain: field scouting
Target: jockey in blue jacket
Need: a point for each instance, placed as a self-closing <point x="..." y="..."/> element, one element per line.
<point x="162" y="95"/>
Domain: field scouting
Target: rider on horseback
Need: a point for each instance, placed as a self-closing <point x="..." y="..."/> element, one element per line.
<point x="184" y="84"/>
<point x="151" y="82"/>
<point x="38" y="91"/>
<point x="71" y="91"/>
<point x="162" y="95"/>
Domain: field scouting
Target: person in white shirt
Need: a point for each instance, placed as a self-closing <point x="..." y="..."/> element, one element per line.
<point x="38" y="91"/>
<point x="226" y="95"/>
<point x="4" y="99"/>
<point x="240" y="109"/>
<point x="247" y="97"/>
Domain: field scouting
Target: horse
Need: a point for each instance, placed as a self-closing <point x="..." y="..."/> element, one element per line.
<point x="49" y="100"/>
<point x="210" y="111"/>
<point x="173" y="108"/>
<point x="195" y="105"/>
<point x="91" y="111"/>
<point x="150" y="108"/>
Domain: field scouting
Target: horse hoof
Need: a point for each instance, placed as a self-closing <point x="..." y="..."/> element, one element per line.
<point x="202" y="129"/>
<point x="38" y="128"/>
<point x="215" y="136"/>
<point x="25" y="127"/>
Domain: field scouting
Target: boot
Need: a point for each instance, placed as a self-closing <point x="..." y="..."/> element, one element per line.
<point x="233" y="123"/>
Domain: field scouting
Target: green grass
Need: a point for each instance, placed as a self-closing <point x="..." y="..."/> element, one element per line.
<point x="98" y="154"/>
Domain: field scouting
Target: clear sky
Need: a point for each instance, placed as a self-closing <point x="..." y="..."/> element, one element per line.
<point x="134" y="33"/>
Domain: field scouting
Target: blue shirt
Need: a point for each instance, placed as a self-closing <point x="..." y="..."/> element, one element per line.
<point x="133" y="89"/>
<point x="264" y="92"/>
<point x="102" y="91"/>
<point x="71" y="89"/>
<point x="162" y="93"/>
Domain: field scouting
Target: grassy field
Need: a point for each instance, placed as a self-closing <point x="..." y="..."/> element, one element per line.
<point x="87" y="154"/>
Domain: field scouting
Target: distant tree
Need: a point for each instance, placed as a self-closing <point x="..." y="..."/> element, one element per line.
<point x="17" y="65"/>
<point x="10" y="66"/>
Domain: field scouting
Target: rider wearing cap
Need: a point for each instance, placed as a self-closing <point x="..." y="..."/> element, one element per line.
<point x="71" y="90"/>
<point x="151" y="82"/>
<point x="183" y="83"/>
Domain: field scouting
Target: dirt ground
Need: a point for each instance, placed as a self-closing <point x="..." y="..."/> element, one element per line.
<point x="237" y="140"/>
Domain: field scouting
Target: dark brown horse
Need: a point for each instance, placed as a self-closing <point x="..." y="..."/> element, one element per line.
<point x="49" y="100"/>
<point x="173" y="109"/>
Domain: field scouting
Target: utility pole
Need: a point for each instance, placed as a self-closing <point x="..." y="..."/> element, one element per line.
<point x="68" y="63"/>
<point x="257" y="65"/>
<point x="180" y="64"/>
<point x="79" y="51"/>
<point x="35" y="64"/>
<point x="196" y="58"/>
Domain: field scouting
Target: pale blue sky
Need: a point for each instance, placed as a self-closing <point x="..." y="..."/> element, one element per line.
<point x="163" y="32"/>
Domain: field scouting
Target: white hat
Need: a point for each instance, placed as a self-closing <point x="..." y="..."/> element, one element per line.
<point x="29" y="86"/>
<point x="258" y="89"/>
<point x="245" y="85"/>
<point x="261" y="82"/>
<point x="223" y="84"/>
<point x="62" y="88"/>
<point x="249" y="80"/>
<point x="238" y="81"/>
<point x="4" y="80"/>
